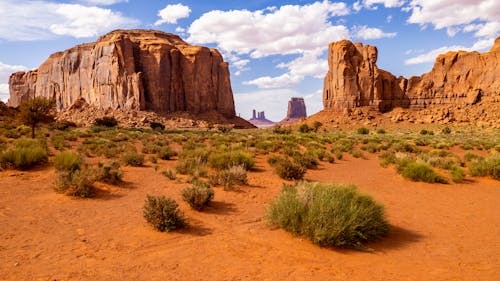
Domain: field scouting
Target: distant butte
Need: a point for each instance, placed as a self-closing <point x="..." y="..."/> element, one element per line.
<point x="259" y="120"/>
<point x="296" y="111"/>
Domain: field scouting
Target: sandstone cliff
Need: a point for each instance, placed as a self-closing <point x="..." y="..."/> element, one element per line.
<point x="354" y="80"/>
<point x="132" y="69"/>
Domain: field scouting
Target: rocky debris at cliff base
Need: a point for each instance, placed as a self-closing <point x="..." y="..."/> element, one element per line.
<point x="86" y="114"/>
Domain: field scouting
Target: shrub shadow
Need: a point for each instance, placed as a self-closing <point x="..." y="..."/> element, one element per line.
<point x="220" y="208"/>
<point x="397" y="238"/>
<point x="195" y="228"/>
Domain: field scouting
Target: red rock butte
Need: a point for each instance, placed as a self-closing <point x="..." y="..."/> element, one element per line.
<point x="132" y="69"/>
<point x="462" y="78"/>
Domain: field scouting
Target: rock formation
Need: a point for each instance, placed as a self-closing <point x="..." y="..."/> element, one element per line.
<point x="354" y="80"/>
<point x="132" y="69"/>
<point x="259" y="119"/>
<point x="296" y="111"/>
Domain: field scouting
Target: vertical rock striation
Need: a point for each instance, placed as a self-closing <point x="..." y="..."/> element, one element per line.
<point x="354" y="80"/>
<point x="132" y="69"/>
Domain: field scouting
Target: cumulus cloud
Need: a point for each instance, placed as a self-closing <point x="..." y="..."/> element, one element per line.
<point x="275" y="102"/>
<point x="104" y="2"/>
<point x="305" y="30"/>
<point x="431" y="55"/>
<point x="172" y="13"/>
<point x="36" y="20"/>
<point x="289" y="29"/>
<point x="5" y="72"/>
<point x="450" y="13"/>
<point x="372" y="4"/>
<point x="369" y="33"/>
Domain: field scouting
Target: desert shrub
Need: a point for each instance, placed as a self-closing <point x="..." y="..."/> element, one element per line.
<point x="166" y="153"/>
<point x="289" y="170"/>
<point x="446" y="130"/>
<point x="405" y="147"/>
<point x="169" y="174"/>
<point x="281" y="130"/>
<point x="194" y="166"/>
<point x="62" y="125"/>
<point x="363" y="131"/>
<point x="316" y="125"/>
<point x="67" y="161"/>
<point x="387" y="158"/>
<point x="304" y="128"/>
<point x="133" y="159"/>
<point x="381" y="131"/>
<point x="109" y="173"/>
<point x="78" y="183"/>
<point x="339" y="155"/>
<point x="424" y="132"/>
<point x="307" y="160"/>
<point x="357" y="154"/>
<point x="224" y="160"/>
<point x="231" y="177"/>
<point x="421" y="172"/>
<point x="457" y="174"/>
<point x="328" y="215"/>
<point x="343" y="145"/>
<point x="157" y="126"/>
<point x="472" y="157"/>
<point x="486" y="167"/>
<point x="371" y="147"/>
<point x="163" y="213"/>
<point x="106" y="121"/>
<point x="25" y="154"/>
<point x="197" y="196"/>
<point x="59" y="142"/>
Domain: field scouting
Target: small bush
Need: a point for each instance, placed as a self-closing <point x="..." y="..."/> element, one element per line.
<point x="381" y="131"/>
<point x="304" y="128"/>
<point x="457" y="174"/>
<point x="106" y="121"/>
<point x="194" y="166"/>
<point x="67" y="161"/>
<point x="157" y="126"/>
<point x="421" y="172"/>
<point x="169" y="174"/>
<point x="166" y="153"/>
<point x="197" y="196"/>
<point x="25" y="154"/>
<point x="363" y="131"/>
<point x="133" y="159"/>
<point x="163" y="213"/>
<point x="486" y="167"/>
<point x="224" y="160"/>
<point x="279" y="130"/>
<point x="78" y="183"/>
<point x="109" y="173"/>
<point x="328" y="215"/>
<point x="289" y="170"/>
<point x="446" y="130"/>
<point x="472" y="157"/>
<point x="234" y="176"/>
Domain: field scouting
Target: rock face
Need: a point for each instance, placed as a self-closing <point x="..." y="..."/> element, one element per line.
<point x="296" y="108"/>
<point x="354" y="80"/>
<point x="132" y="69"/>
<point x="259" y="119"/>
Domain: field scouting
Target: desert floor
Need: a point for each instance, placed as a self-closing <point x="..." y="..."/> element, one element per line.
<point x="439" y="231"/>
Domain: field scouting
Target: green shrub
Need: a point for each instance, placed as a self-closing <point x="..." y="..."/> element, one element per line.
<point x="288" y="170"/>
<point x="472" y="157"/>
<point x="166" y="153"/>
<point x="357" y="154"/>
<point x="25" y="154"/>
<point x="197" y="196"/>
<point x="381" y="131"/>
<point x="486" y="167"/>
<point x="304" y="128"/>
<point x="109" y="173"/>
<point x="78" y="183"/>
<point x="163" y="213"/>
<point x="421" y="172"/>
<point x="387" y="158"/>
<point x="446" y="130"/>
<point x="157" y="126"/>
<point x="224" y="160"/>
<point x="279" y="130"/>
<point x="339" y="155"/>
<point x="232" y="177"/>
<point x="424" y="132"/>
<point x="457" y="174"/>
<point x="363" y="131"/>
<point x="328" y="215"/>
<point x="67" y="161"/>
<point x="194" y="166"/>
<point x="133" y="159"/>
<point x="169" y="174"/>
<point x="307" y="160"/>
<point x="106" y="121"/>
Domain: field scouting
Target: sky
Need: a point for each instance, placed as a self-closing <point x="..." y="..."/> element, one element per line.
<point x="276" y="49"/>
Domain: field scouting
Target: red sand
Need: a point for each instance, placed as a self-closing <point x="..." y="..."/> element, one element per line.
<point x="440" y="232"/>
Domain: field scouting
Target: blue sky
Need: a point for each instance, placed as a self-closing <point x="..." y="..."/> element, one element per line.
<point x="276" y="49"/>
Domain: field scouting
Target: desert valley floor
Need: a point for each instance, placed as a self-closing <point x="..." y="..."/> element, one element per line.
<point x="439" y="231"/>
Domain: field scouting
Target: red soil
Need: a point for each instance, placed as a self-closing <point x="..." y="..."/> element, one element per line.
<point x="440" y="232"/>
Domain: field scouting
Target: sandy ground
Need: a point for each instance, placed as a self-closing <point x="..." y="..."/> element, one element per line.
<point x="439" y="232"/>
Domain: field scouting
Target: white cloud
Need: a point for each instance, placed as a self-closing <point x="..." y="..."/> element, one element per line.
<point x="368" y="33"/>
<point x="431" y="55"/>
<point x="283" y="81"/>
<point x="104" y="2"/>
<point x="180" y="29"/>
<point x="4" y="92"/>
<point x="275" y="102"/>
<point x="172" y="13"/>
<point x="387" y="3"/>
<point x="449" y="13"/>
<point x="388" y="19"/>
<point x="5" y="72"/>
<point x="289" y="29"/>
<point x="36" y="20"/>
<point x="488" y="30"/>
